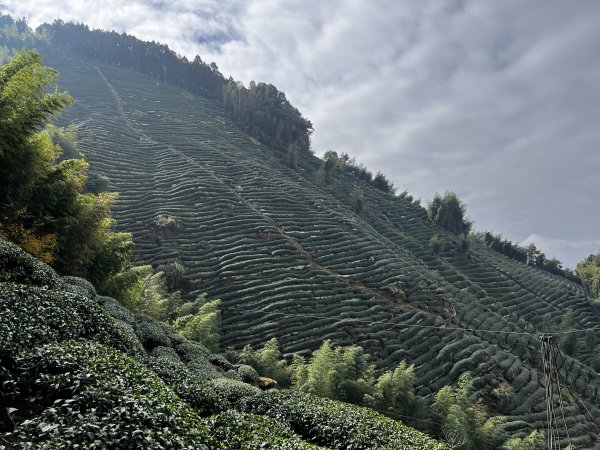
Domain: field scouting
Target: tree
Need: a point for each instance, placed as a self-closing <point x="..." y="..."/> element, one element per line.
<point x="357" y="199"/>
<point x="394" y="391"/>
<point x="332" y="162"/>
<point x="464" y="418"/>
<point x="568" y="341"/>
<point x="449" y="213"/>
<point x="28" y="100"/>
<point x="42" y="203"/>
<point x="436" y="244"/>
<point x="338" y="373"/>
<point x="319" y="175"/>
<point x="382" y="183"/>
<point x="589" y="271"/>
<point x="200" y="321"/>
<point x="268" y="361"/>
<point x="320" y="373"/>
<point x="535" y="441"/>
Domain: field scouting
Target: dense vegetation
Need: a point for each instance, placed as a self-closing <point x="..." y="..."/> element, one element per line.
<point x="42" y="203"/>
<point x="79" y="370"/>
<point x="589" y="272"/>
<point x="279" y="250"/>
<point x="332" y="162"/>
<point x="265" y="113"/>
<point x="449" y="213"/>
<point x="301" y="261"/>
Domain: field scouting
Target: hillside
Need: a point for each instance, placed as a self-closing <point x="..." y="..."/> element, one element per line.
<point x="80" y="371"/>
<point x="292" y="260"/>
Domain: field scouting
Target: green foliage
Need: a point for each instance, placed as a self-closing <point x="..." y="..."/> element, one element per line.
<point x="96" y="183"/>
<point x="339" y="373"/>
<point x="265" y="113"/>
<point x="121" y="404"/>
<point x="382" y="183"/>
<point x="268" y="362"/>
<point x="529" y="255"/>
<point x="26" y="151"/>
<point x="331" y="163"/>
<point x="200" y="321"/>
<point x="319" y="175"/>
<point x="41" y="186"/>
<point x="568" y="341"/>
<point x="19" y="267"/>
<point x="357" y="200"/>
<point x="150" y="58"/>
<point x="66" y="140"/>
<point x="236" y="430"/>
<point x="436" y="244"/>
<point x="62" y="391"/>
<point x="142" y="291"/>
<point x="126" y="285"/>
<point x="174" y="272"/>
<point x="589" y="272"/>
<point x="336" y="425"/>
<point x="394" y="392"/>
<point x="449" y="212"/>
<point x="535" y="441"/>
<point x="463" y="417"/>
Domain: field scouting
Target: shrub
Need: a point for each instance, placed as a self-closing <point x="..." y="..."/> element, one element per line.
<point x="247" y="374"/>
<point x="121" y="404"/>
<point x="436" y="244"/>
<point x="236" y="430"/>
<point x="335" y="424"/>
<point x="19" y="267"/>
<point x="357" y="200"/>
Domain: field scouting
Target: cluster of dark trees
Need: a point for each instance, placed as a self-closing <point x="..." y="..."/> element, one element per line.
<point x="149" y="58"/>
<point x="265" y="113"/>
<point x="333" y="161"/>
<point x="261" y="109"/>
<point x="529" y="255"/>
<point x="449" y="212"/>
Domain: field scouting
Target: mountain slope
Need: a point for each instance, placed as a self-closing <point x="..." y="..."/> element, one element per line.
<point x="292" y="260"/>
<point x="80" y="371"/>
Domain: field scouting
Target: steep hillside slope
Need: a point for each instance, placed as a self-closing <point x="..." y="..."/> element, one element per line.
<point x="292" y="260"/>
<point x="79" y="371"/>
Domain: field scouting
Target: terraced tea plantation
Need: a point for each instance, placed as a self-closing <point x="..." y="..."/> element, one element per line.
<point x="292" y="260"/>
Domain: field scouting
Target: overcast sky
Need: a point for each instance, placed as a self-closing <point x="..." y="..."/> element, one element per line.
<point x="496" y="100"/>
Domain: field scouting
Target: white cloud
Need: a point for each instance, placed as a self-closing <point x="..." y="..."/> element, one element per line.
<point x="495" y="100"/>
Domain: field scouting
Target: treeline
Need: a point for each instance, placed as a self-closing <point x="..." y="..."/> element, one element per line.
<point x="530" y="255"/>
<point x="123" y="50"/>
<point x="333" y="162"/>
<point x="261" y="109"/>
<point x="265" y="113"/>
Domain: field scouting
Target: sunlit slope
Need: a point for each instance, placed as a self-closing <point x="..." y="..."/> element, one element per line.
<point x="291" y="260"/>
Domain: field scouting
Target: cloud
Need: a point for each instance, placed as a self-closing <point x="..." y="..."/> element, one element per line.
<point x="495" y="100"/>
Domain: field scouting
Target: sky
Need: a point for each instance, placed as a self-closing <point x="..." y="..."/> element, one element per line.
<point x="495" y="100"/>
